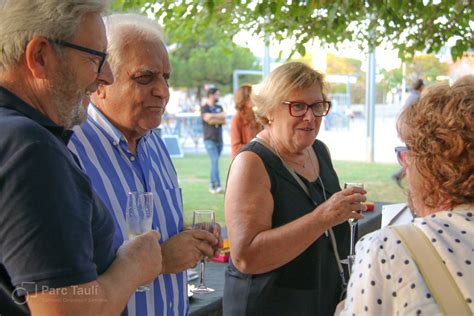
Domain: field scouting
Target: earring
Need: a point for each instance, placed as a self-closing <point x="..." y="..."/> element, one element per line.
<point x="270" y="122"/>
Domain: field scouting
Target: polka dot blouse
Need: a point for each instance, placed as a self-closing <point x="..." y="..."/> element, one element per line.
<point x="385" y="279"/>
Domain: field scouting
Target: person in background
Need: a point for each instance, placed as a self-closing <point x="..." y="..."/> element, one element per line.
<point x="213" y="117"/>
<point x="439" y="163"/>
<point x="56" y="251"/>
<point x="121" y="152"/>
<point x="244" y="126"/>
<point x="285" y="212"/>
<point x="414" y="96"/>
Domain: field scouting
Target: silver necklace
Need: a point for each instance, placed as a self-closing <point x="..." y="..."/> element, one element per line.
<point x="277" y="152"/>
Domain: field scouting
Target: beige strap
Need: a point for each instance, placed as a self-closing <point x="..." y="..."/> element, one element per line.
<point x="437" y="277"/>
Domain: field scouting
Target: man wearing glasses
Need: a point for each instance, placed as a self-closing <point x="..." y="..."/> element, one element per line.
<point x="56" y="252"/>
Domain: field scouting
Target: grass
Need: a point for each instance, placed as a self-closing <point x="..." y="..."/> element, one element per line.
<point x="193" y="173"/>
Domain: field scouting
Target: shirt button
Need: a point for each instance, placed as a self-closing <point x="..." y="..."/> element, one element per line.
<point x="171" y="304"/>
<point x="115" y="143"/>
<point x="132" y="158"/>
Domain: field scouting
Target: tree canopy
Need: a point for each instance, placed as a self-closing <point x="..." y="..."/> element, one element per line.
<point x="409" y="25"/>
<point x="211" y="60"/>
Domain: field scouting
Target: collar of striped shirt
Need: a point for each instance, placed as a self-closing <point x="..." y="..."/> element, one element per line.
<point x="100" y="118"/>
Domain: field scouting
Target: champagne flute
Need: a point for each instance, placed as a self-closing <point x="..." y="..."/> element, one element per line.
<point x="203" y="219"/>
<point x="139" y="218"/>
<point x="353" y="226"/>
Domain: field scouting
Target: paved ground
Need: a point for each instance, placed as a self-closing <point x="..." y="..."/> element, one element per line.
<point x="344" y="143"/>
<point x="352" y="144"/>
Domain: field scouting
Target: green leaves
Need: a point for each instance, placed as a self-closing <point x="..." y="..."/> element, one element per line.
<point x="409" y="25"/>
<point x="211" y="59"/>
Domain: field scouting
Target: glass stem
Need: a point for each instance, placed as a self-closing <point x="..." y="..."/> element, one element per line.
<point x="203" y="269"/>
<point x="353" y="237"/>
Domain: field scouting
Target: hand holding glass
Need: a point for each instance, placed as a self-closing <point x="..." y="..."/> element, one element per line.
<point x="139" y="217"/>
<point x="353" y="225"/>
<point x="204" y="220"/>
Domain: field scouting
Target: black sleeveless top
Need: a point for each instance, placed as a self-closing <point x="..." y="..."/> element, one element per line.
<point x="310" y="284"/>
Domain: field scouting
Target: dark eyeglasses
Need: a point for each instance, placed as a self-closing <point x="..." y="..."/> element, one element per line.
<point x="299" y="109"/>
<point x="102" y="55"/>
<point x="401" y="155"/>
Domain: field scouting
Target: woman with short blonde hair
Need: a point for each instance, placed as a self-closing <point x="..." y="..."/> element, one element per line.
<point x="285" y="212"/>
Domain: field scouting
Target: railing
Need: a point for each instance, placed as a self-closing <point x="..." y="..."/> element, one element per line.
<point x="184" y="125"/>
<point x="188" y="127"/>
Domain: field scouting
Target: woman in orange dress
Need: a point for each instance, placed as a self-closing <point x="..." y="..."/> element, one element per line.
<point x="243" y="126"/>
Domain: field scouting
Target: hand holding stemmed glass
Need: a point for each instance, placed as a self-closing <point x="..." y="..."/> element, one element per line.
<point x="353" y="226"/>
<point x="205" y="220"/>
<point x="139" y="218"/>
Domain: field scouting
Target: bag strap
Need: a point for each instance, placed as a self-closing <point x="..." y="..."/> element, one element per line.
<point x="437" y="277"/>
<point x="329" y="232"/>
<point x="290" y="170"/>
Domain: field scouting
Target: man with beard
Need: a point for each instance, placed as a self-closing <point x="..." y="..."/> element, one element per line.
<point x="121" y="152"/>
<point x="56" y="251"/>
<point x="213" y="117"/>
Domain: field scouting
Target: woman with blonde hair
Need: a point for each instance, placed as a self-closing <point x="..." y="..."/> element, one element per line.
<point x="244" y="126"/>
<point x="285" y="212"/>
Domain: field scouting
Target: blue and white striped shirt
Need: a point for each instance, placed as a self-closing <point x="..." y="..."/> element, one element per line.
<point x="114" y="170"/>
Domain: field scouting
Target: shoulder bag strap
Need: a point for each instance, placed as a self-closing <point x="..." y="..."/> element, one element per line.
<point x="437" y="277"/>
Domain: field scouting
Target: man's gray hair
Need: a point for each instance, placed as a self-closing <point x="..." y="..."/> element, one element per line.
<point x="126" y="29"/>
<point x="21" y="20"/>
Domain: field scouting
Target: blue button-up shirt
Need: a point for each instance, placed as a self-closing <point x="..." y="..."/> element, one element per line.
<point x="114" y="171"/>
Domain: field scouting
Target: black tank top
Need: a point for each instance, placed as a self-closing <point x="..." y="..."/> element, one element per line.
<point x="309" y="284"/>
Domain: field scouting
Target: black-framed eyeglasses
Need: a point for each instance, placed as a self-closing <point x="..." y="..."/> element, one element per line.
<point x="401" y="152"/>
<point x="94" y="52"/>
<point x="299" y="109"/>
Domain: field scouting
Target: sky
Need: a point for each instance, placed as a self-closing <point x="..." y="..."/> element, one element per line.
<point x="385" y="58"/>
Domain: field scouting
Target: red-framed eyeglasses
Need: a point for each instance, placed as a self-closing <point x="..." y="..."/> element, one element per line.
<point x="299" y="108"/>
<point x="401" y="152"/>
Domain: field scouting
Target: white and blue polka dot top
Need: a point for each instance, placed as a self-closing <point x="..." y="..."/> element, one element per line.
<point x="386" y="281"/>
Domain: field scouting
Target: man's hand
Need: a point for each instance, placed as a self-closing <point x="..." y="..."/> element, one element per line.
<point x="143" y="254"/>
<point x="186" y="249"/>
<point x="138" y="262"/>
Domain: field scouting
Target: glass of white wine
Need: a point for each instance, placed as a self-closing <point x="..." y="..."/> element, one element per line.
<point x="205" y="220"/>
<point x="139" y="218"/>
<point x="353" y="226"/>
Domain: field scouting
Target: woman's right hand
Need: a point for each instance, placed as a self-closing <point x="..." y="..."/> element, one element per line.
<point x="342" y="206"/>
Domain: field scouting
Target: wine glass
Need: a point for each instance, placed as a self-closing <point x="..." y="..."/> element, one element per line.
<point x="353" y="226"/>
<point x="203" y="219"/>
<point x="139" y="218"/>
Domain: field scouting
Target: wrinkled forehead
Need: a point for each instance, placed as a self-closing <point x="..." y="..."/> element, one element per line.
<point x="146" y="55"/>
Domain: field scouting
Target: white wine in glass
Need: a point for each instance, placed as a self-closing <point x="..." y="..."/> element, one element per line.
<point x="205" y="220"/>
<point x="139" y="218"/>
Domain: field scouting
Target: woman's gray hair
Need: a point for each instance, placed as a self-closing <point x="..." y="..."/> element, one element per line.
<point x="126" y="29"/>
<point x="280" y="83"/>
<point x="21" y="20"/>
